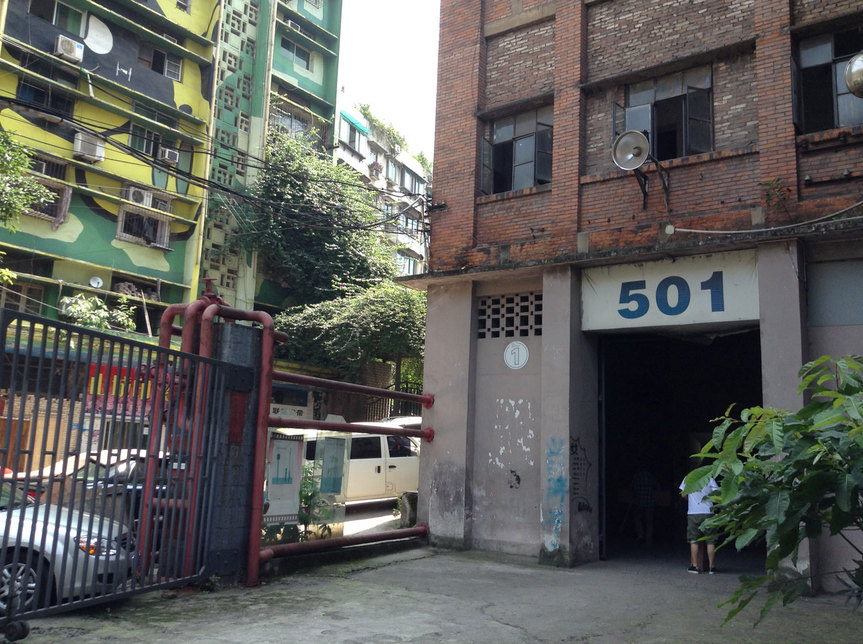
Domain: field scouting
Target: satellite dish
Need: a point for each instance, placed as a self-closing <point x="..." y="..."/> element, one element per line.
<point x="630" y="150"/>
<point x="854" y="75"/>
<point x="96" y="281"/>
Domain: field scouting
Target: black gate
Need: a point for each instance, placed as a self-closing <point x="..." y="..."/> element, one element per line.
<point x="107" y="448"/>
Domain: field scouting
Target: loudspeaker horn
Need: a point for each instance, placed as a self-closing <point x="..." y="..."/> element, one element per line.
<point x="854" y="75"/>
<point x="630" y="150"/>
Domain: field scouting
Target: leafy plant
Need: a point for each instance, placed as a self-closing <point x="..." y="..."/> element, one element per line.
<point x="18" y="190"/>
<point x="392" y="136"/>
<point x="94" y="313"/>
<point x="386" y="322"/>
<point x="318" y="231"/>
<point x="788" y="476"/>
<point x="314" y="507"/>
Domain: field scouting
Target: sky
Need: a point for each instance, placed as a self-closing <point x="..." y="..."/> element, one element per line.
<point x="388" y="59"/>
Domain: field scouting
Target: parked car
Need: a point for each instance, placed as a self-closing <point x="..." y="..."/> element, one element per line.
<point x="53" y="554"/>
<point x="381" y="466"/>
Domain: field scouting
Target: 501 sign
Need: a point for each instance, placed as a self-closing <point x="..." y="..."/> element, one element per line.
<point x="672" y="296"/>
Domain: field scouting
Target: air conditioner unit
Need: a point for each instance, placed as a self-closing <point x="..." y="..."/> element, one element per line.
<point x="294" y="25"/>
<point x="139" y="196"/>
<point x="169" y="155"/>
<point x="68" y="49"/>
<point x="38" y="165"/>
<point x="88" y="147"/>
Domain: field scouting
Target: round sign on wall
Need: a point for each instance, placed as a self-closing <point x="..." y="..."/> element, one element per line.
<point x="516" y="355"/>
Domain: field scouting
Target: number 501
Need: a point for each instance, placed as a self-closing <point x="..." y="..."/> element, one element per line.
<point x="639" y="303"/>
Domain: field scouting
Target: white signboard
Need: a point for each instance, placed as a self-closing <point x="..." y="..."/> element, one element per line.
<point x="284" y="476"/>
<point x="690" y="290"/>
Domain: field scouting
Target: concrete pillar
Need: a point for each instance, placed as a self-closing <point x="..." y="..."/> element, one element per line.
<point x="445" y="466"/>
<point x="556" y="416"/>
<point x="782" y="305"/>
<point x="782" y="302"/>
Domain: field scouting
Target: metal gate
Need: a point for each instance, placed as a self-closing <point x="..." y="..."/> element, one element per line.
<point x="107" y="448"/>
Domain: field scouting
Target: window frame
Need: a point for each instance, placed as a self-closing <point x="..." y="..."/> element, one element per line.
<point x="163" y="228"/>
<point x="517" y="152"/>
<point x="650" y="103"/>
<point x="24" y="297"/>
<point x="160" y="61"/>
<point x="824" y="67"/>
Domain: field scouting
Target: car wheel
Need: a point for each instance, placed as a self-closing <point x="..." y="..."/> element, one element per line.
<point x="21" y="587"/>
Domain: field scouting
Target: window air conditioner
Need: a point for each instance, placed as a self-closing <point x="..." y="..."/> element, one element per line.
<point x="169" y="155"/>
<point x="294" y="25"/>
<point x="68" y="49"/>
<point x="88" y="147"/>
<point x="139" y="196"/>
<point x="38" y="165"/>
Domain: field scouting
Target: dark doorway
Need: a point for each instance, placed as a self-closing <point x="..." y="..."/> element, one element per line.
<point x="660" y="394"/>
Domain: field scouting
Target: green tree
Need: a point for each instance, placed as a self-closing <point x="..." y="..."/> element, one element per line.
<point x="317" y="231"/>
<point x="18" y="190"/>
<point x="95" y="314"/>
<point x="785" y="477"/>
<point x="386" y="322"/>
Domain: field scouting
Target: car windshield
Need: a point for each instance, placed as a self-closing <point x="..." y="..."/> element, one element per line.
<point x="12" y="496"/>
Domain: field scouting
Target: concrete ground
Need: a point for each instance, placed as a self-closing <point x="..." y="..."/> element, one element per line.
<point x="427" y="595"/>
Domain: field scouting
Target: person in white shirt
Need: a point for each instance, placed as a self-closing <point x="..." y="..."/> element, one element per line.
<point x="699" y="509"/>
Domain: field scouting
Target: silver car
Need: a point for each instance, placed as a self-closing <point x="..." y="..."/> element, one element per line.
<point x="53" y="554"/>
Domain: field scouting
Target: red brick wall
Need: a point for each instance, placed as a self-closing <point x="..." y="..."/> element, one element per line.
<point x="520" y="64"/>
<point x="809" y="11"/>
<point x="749" y="46"/>
<point x="633" y="34"/>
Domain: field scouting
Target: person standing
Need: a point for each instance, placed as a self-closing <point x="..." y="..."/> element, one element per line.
<point x="699" y="509"/>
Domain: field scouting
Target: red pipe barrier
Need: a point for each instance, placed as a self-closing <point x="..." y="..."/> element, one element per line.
<point x="427" y="434"/>
<point x="320" y="545"/>
<point x="427" y="400"/>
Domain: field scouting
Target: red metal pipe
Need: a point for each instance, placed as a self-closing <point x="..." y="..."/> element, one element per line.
<point x="427" y="434"/>
<point x="318" y="545"/>
<point x="427" y="400"/>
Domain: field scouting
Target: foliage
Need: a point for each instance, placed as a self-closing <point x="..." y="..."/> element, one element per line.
<point x="393" y="136"/>
<point x="94" y="313"/>
<point x="425" y="163"/>
<point x="314" y="507"/>
<point x="18" y="190"/>
<point x="789" y="476"/>
<point x="385" y="322"/>
<point x="317" y="235"/>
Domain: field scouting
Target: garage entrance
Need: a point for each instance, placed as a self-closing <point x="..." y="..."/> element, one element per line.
<point x="658" y="395"/>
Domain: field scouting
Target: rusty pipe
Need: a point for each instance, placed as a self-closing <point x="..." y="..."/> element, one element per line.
<point x="427" y="400"/>
<point x="319" y="545"/>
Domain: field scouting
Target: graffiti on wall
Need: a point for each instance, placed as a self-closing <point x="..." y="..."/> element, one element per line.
<point x="514" y="426"/>
<point x="556" y="488"/>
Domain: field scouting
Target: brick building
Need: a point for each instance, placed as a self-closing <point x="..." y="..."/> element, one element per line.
<point x="581" y="317"/>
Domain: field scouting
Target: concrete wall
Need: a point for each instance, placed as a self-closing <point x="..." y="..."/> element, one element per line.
<point x="446" y="462"/>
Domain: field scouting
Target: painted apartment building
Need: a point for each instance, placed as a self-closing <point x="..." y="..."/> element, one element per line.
<point x="114" y="100"/>
<point x="278" y="67"/>
<point x="400" y="184"/>
<point x="583" y="319"/>
<point x="149" y="121"/>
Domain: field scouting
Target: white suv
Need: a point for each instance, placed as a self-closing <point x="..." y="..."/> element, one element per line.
<point x="381" y="466"/>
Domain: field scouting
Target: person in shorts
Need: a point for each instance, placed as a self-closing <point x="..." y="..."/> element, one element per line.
<point x="699" y="509"/>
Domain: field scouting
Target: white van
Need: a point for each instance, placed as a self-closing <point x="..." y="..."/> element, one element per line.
<point x="381" y="466"/>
